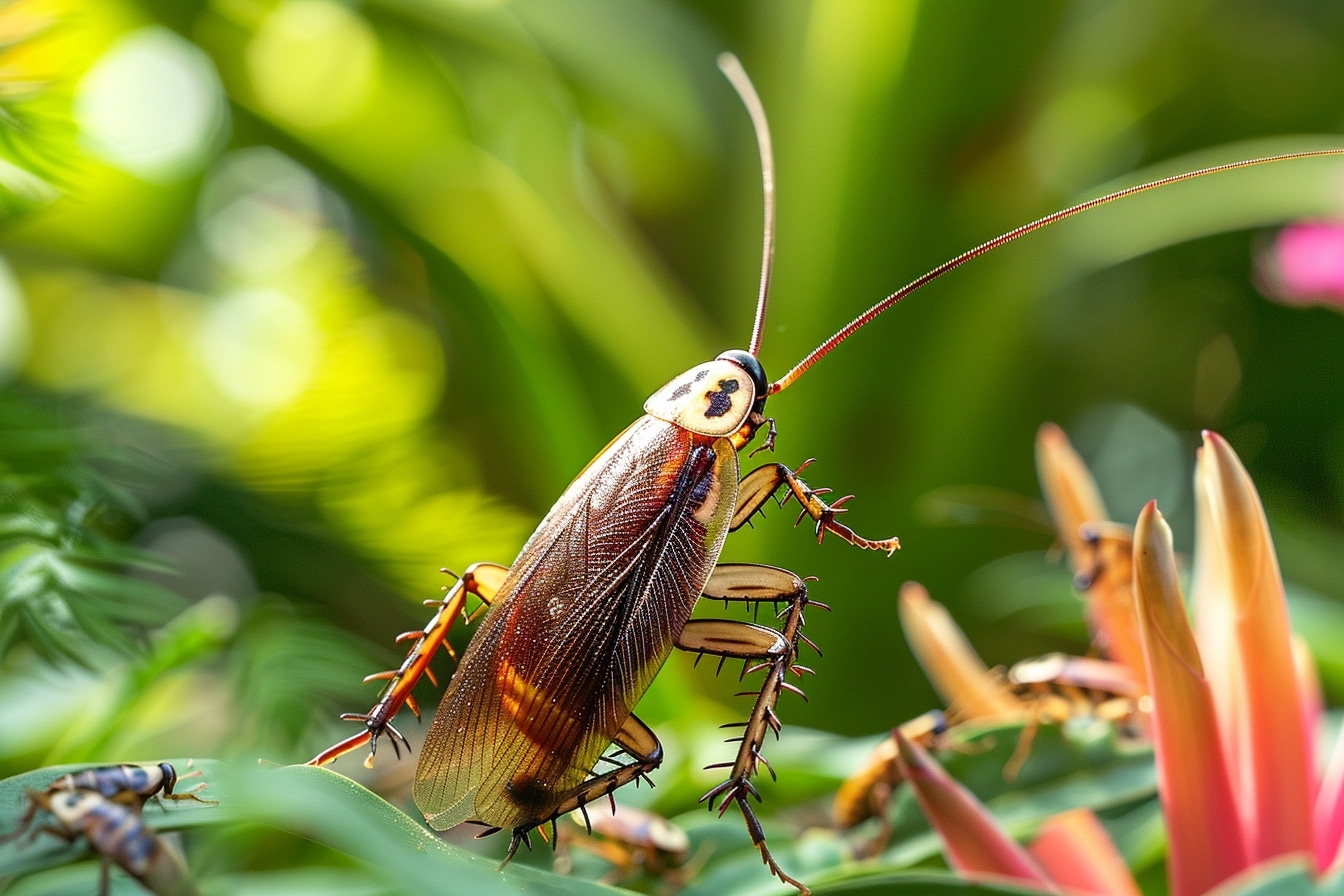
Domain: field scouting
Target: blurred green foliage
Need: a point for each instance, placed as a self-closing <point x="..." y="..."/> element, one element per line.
<point x="361" y="286"/>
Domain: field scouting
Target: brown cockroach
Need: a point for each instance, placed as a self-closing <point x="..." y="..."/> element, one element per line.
<point x="579" y="624"/>
<point x="867" y="793"/>
<point x="1057" y="688"/>
<point x="633" y="841"/>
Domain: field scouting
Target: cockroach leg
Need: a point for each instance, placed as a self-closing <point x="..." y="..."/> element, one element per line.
<point x="481" y="580"/>
<point x="769" y="443"/>
<point x="774" y="652"/>
<point x="761" y="484"/>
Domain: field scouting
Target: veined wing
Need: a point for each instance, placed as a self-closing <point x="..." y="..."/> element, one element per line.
<point x="585" y="618"/>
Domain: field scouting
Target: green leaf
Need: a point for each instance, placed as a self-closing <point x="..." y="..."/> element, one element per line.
<point x="1284" y="877"/>
<point x="333" y="810"/>
<point x="916" y="884"/>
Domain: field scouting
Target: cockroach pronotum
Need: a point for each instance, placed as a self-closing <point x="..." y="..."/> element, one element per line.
<point x="579" y="624"/>
<point x="116" y="832"/>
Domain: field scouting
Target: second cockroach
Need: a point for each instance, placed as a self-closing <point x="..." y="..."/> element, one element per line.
<point x="115" y="831"/>
<point x="582" y="620"/>
<point x="867" y="793"/>
<point x="635" y="842"/>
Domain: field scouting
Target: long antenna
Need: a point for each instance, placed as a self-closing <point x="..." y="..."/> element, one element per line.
<point x="850" y="328"/>
<point x="737" y="75"/>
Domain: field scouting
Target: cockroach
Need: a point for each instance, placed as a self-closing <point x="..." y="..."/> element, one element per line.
<point x="867" y="793"/>
<point x="1103" y="679"/>
<point x="579" y="624"/>
<point x="1057" y="688"/>
<point x="132" y="784"/>
<point x="634" y="841"/>
<point x="116" y="832"/>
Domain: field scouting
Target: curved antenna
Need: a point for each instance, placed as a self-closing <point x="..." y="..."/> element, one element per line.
<point x="737" y="75"/>
<point x="853" y="326"/>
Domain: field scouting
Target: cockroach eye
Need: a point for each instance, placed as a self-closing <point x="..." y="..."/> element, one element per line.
<point x="748" y="362"/>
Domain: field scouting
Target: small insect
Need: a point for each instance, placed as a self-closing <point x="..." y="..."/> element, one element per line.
<point x="1057" y="688"/>
<point x="132" y="784"/>
<point x="867" y="793"/>
<point x="1094" y="678"/>
<point x="116" y="832"/>
<point x="634" y="841"/>
<point x="579" y="624"/>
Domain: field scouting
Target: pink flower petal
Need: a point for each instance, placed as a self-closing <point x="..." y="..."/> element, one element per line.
<point x="1328" y="818"/>
<point x="1308" y="263"/>
<point x="953" y="667"/>
<point x="1245" y="634"/>
<point x="1205" y="844"/>
<point x="973" y="841"/>
<point x="1077" y="853"/>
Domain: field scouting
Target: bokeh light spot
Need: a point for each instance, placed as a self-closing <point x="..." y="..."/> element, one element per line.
<point x="152" y="106"/>
<point x="313" y="62"/>
<point x="1308" y="263"/>
<point x="259" y="212"/>
<point x="260" y="346"/>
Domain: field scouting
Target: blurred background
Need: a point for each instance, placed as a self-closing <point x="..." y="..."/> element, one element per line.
<point x="302" y="300"/>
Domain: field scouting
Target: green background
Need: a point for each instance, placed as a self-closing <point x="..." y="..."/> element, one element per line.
<point x="425" y="258"/>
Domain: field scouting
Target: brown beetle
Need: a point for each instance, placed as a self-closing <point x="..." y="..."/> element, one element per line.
<point x="602" y="592"/>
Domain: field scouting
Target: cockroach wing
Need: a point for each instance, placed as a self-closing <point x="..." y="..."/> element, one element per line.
<point x="585" y="618"/>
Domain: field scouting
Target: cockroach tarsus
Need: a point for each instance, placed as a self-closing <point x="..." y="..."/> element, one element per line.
<point x="602" y="592"/>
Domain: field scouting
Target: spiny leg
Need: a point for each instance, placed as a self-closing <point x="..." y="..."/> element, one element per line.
<point x="775" y="652"/>
<point x="635" y="739"/>
<point x="763" y="482"/>
<point x="481" y="580"/>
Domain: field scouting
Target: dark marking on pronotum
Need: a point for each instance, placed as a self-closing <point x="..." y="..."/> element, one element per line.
<point x="680" y="392"/>
<point x="719" y="401"/>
